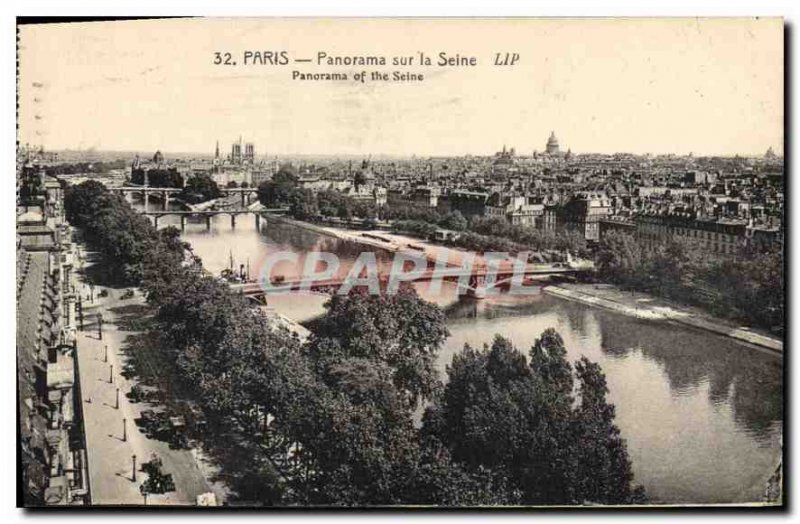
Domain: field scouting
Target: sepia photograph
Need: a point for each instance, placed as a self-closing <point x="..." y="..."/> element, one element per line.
<point x="400" y="263"/>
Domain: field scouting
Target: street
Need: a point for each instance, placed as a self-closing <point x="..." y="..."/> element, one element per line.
<point x="113" y="438"/>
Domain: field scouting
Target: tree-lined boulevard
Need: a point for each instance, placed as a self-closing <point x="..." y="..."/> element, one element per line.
<point x="120" y="453"/>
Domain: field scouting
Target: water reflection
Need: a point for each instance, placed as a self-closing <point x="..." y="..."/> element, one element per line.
<point x="692" y="360"/>
<point x="701" y="414"/>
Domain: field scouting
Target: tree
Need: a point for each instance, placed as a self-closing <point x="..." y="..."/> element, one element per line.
<point x="365" y="209"/>
<point x="401" y="331"/>
<point x="164" y="267"/>
<point x="157" y="177"/>
<point x="748" y="287"/>
<point x="85" y="201"/>
<point x="363" y="447"/>
<point x="518" y="422"/>
<point x="344" y="210"/>
<point x="751" y="287"/>
<point x="200" y="188"/>
<point x="668" y="266"/>
<point x="621" y="259"/>
<point x="287" y="174"/>
<point x="350" y="419"/>
<point x="415" y="227"/>
<point x="113" y="228"/>
<point x="85" y="167"/>
<point x="439" y="480"/>
<point x="258" y="483"/>
<point x="455" y="221"/>
<point x="279" y="190"/>
<point x="359" y="179"/>
<point x="602" y="468"/>
<point x="303" y="204"/>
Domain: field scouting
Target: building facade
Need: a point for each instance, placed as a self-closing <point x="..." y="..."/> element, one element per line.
<point x="468" y="203"/>
<point x="516" y="209"/>
<point x="52" y="444"/>
<point x="427" y="195"/>
<point x="583" y="213"/>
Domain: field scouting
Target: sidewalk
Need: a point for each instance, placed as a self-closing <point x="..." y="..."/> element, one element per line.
<point x="110" y="447"/>
<point x="648" y="307"/>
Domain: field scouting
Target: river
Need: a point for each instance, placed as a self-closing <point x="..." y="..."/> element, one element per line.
<point x="702" y="414"/>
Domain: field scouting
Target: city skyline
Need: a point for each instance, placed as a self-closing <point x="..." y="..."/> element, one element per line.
<point x="710" y="88"/>
<point x="265" y="155"/>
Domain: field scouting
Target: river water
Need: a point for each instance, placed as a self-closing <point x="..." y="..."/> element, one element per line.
<point x="702" y="414"/>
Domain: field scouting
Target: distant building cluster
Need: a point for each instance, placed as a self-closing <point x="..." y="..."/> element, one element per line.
<point x="239" y="167"/>
<point x="720" y="203"/>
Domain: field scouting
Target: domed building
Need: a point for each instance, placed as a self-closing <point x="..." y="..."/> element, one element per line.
<point x="552" y="144"/>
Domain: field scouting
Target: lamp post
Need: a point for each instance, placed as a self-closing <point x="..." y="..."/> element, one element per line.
<point x="124" y="430"/>
<point x="133" y="471"/>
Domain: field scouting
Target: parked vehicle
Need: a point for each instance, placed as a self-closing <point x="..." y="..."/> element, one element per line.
<point x="140" y="393"/>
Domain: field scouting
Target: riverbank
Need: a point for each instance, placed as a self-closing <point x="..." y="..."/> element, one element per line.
<point x="647" y="307"/>
<point x="605" y="296"/>
<point x="355" y="236"/>
<point x="395" y="243"/>
<point x="290" y="324"/>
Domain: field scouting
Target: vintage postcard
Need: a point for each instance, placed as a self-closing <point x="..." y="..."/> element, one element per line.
<point x="375" y="262"/>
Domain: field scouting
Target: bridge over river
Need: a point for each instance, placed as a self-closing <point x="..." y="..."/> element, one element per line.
<point x="165" y="193"/>
<point x="209" y="214"/>
<point x="476" y="282"/>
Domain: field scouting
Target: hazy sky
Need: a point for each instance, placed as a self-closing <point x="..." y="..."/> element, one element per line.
<point x="707" y="86"/>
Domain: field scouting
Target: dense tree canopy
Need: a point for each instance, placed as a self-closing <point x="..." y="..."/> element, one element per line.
<point x="200" y="188"/>
<point x="400" y="331"/>
<point x="119" y="232"/>
<point x="519" y="419"/>
<point x="80" y="168"/>
<point x="749" y="286"/>
<point x="157" y="177"/>
<point x="279" y="189"/>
